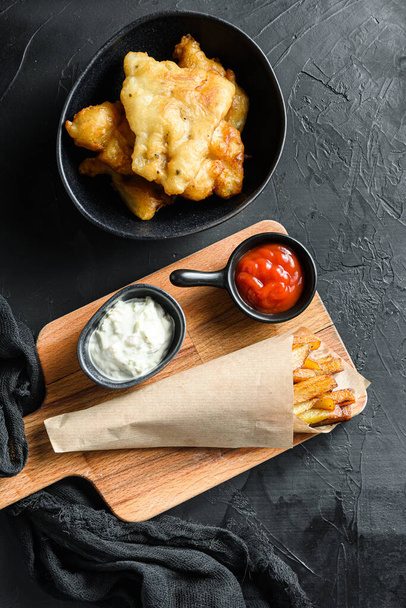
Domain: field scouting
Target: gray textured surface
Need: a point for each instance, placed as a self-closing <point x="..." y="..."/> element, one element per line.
<point x="335" y="507"/>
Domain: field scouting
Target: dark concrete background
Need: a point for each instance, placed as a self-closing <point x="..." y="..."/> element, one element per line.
<point x="335" y="506"/>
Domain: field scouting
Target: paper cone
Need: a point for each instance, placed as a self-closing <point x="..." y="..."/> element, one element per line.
<point x="244" y="399"/>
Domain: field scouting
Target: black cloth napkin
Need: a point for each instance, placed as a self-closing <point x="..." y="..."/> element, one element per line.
<point x="21" y="389"/>
<point x="76" y="549"/>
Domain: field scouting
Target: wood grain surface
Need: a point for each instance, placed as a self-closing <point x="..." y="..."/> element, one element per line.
<point x="138" y="484"/>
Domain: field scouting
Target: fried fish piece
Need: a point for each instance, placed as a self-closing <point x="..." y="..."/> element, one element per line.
<point x="226" y="146"/>
<point x="173" y="113"/>
<point x="204" y="183"/>
<point x="93" y="126"/>
<point x="237" y="114"/>
<point x="104" y="128"/>
<point x="141" y="197"/>
<point x="190" y="55"/>
<point x="222" y="173"/>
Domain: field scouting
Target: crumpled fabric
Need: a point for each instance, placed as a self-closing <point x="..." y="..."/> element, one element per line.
<point x="21" y="389"/>
<point x="76" y="549"/>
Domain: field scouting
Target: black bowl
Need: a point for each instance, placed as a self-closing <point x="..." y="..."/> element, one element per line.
<point x="168" y="303"/>
<point x="263" y="135"/>
<point x="226" y="276"/>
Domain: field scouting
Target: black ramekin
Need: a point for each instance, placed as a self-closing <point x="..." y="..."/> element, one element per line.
<point x="225" y="277"/>
<point x="168" y="303"/>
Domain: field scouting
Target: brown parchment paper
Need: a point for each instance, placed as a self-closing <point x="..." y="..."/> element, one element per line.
<point x="244" y="399"/>
<point x="348" y="378"/>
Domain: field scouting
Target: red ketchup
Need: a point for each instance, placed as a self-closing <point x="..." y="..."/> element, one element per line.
<point x="269" y="278"/>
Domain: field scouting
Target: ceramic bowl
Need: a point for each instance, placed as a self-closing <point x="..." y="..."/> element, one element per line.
<point x="225" y="277"/>
<point x="168" y="303"/>
<point x="101" y="80"/>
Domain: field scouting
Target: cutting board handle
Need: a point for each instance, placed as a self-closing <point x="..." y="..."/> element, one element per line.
<point x="42" y="468"/>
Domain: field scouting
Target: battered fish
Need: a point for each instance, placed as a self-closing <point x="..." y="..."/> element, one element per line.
<point x="173" y="113"/>
<point x="222" y="173"/>
<point x="105" y="129"/>
<point x="226" y="147"/>
<point x="141" y="197"/>
<point x="189" y="55"/>
<point x="187" y="120"/>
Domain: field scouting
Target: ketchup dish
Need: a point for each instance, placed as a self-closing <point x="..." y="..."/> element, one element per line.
<point x="270" y="276"/>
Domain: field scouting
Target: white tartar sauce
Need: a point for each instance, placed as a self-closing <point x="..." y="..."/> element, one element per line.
<point x="131" y="339"/>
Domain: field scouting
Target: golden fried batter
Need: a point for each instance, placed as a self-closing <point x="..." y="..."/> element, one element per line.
<point x="173" y="113"/>
<point x="177" y="126"/>
<point x="141" y="197"/>
<point x="190" y="55"/>
<point x="105" y="129"/>
<point x="203" y="184"/>
<point x="227" y="146"/>
<point x="222" y="173"/>
<point x="237" y="114"/>
<point x="92" y="127"/>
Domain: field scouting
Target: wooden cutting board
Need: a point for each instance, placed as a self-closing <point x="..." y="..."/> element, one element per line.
<point x="138" y="484"/>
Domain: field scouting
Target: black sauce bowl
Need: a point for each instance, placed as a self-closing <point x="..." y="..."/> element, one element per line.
<point x="225" y="277"/>
<point x="168" y="303"/>
<point x="263" y="135"/>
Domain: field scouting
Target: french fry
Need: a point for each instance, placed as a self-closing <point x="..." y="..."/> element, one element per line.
<point x="330" y="365"/>
<point x="313" y="388"/>
<point x="310" y="339"/>
<point x="314" y="400"/>
<point x="311" y="364"/>
<point x="299" y="408"/>
<point x="342" y="397"/>
<point x="303" y="374"/>
<point x="315" y="417"/>
<point x="299" y="355"/>
<point x="325" y="403"/>
<point x="339" y="415"/>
